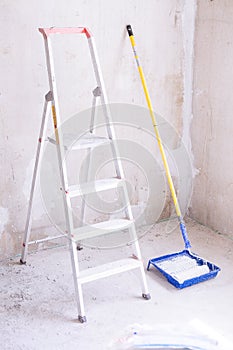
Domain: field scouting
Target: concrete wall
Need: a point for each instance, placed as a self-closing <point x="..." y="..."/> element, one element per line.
<point x="158" y="28"/>
<point x="212" y="126"/>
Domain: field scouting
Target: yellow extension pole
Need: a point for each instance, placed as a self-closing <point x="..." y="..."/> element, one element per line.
<point x="163" y="155"/>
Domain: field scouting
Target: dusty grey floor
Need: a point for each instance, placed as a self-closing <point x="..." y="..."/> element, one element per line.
<point x="38" y="310"/>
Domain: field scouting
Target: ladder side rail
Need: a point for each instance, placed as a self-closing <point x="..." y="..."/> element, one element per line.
<point x="57" y="131"/>
<point x="63" y="173"/>
<point x="111" y="133"/>
<point x="39" y="152"/>
<point x="104" y="100"/>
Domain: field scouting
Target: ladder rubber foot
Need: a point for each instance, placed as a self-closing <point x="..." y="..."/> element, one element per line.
<point x="22" y="262"/>
<point x="146" y="296"/>
<point x="82" y="319"/>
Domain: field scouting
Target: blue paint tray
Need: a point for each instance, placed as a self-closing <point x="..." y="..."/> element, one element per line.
<point x="184" y="269"/>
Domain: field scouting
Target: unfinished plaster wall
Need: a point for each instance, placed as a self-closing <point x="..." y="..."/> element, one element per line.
<point x="158" y="28"/>
<point x="212" y="126"/>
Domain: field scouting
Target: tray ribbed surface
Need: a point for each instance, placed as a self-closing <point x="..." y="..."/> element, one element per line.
<point x="182" y="267"/>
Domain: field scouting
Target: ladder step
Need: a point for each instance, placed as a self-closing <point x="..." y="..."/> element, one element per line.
<point x="94" y="186"/>
<point x="109" y="269"/>
<point x="100" y="229"/>
<point x="87" y="141"/>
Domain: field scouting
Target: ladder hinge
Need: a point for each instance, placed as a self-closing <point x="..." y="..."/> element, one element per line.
<point x="97" y="91"/>
<point x="49" y="96"/>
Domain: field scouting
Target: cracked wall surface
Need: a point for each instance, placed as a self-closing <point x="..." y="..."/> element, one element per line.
<point x="212" y="126"/>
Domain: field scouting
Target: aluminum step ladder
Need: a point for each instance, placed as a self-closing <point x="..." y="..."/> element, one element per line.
<point x="89" y="141"/>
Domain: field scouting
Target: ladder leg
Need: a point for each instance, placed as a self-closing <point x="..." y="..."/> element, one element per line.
<point x="40" y="145"/>
<point x="135" y="243"/>
<point x="77" y="285"/>
<point x="144" y="286"/>
<point x="145" y="290"/>
<point x="81" y="314"/>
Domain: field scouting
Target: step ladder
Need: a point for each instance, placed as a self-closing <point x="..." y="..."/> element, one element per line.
<point x="78" y="235"/>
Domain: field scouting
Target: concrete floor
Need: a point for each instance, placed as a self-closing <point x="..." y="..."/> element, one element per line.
<point x="38" y="310"/>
